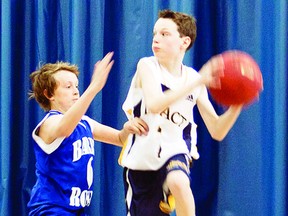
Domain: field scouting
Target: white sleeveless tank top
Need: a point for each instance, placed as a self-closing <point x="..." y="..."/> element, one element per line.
<point x="171" y="132"/>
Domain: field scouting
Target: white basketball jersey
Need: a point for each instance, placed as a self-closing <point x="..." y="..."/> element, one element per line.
<point x="171" y="132"/>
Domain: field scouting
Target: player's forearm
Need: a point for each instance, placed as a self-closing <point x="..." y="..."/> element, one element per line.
<point x="72" y="117"/>
<point x="123" y="136"/>
<point x="225" y="122"/>
<point x="117" y="138"/>
<point x="160" y="103"/>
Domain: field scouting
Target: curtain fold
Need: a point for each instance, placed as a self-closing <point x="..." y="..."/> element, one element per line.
<point x="6" y="100"/>
<point x="245" y="174"/>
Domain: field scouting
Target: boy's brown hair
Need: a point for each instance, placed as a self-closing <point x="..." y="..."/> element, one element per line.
<point x="186" y="24"/>
<point x="44" y="83"/>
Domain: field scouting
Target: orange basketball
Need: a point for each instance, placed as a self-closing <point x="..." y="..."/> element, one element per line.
<point x="242" y="81"/>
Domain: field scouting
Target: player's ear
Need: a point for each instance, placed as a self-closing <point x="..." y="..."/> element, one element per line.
<point x="45" y="92"/>
<point x="186" y="42"/>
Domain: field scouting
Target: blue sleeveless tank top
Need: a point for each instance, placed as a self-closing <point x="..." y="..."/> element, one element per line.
<point x="64" y="168"/>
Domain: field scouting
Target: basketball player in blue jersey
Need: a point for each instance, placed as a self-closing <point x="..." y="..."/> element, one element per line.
<point x="163" y="92"/>
<point x="64" y="139"/>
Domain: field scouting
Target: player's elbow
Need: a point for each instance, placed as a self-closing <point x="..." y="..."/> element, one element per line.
<point x="219" y="139"/>
<point x="217" y="136"/>
<point x="64" y="133"/>
<point x="154" y="108"/>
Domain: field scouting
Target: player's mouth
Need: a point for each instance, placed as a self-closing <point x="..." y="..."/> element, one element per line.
<point x="155" y="49"/>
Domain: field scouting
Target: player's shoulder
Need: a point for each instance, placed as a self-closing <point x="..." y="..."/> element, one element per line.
<point x="91" y="122"/>
<point x="51" y="119"/>
<point x="151" y="60"/>
<point x="191" y="71"/>
<point x="147" y="64"/>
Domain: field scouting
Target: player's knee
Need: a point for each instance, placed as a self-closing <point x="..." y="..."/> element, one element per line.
<point x="178" y="181"/>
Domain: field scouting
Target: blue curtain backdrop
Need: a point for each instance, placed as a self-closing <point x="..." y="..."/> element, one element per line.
<point x="243" y="175"/>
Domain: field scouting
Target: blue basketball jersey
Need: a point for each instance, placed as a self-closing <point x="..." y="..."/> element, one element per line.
<point x="64" y="168"/>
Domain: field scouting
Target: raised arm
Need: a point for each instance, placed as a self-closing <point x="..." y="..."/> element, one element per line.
<point x="63" y="126"/>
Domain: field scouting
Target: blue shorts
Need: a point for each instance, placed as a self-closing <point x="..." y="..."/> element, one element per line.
<point x="144" y="189"/>
<point x="52" y="210"/>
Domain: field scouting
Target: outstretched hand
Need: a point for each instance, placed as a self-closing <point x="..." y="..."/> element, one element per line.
<point x="212" y="71"/>
<point x="136" y="126"/>
<point x="101" y="71"/>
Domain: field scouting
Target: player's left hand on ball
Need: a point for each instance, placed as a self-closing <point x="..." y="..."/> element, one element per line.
<point x="212" y="71"/>
<point x="137" y="126"/>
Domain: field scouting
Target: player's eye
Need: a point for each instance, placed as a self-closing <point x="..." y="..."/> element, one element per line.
<point x="165" y="34"/>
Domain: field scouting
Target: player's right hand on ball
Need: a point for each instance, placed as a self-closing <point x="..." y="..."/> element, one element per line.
<point x="212" y="71"/>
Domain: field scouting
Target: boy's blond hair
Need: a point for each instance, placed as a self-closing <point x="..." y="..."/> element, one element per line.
<point x="44" y="81"/>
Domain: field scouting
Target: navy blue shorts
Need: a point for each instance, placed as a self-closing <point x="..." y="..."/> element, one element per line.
<point x="144" y="189"/>
<point x="52" y="210"/>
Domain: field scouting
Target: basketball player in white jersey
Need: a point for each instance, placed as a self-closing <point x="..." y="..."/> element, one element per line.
<point x="163" y="92"/>
<point x="64" y="139"/>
